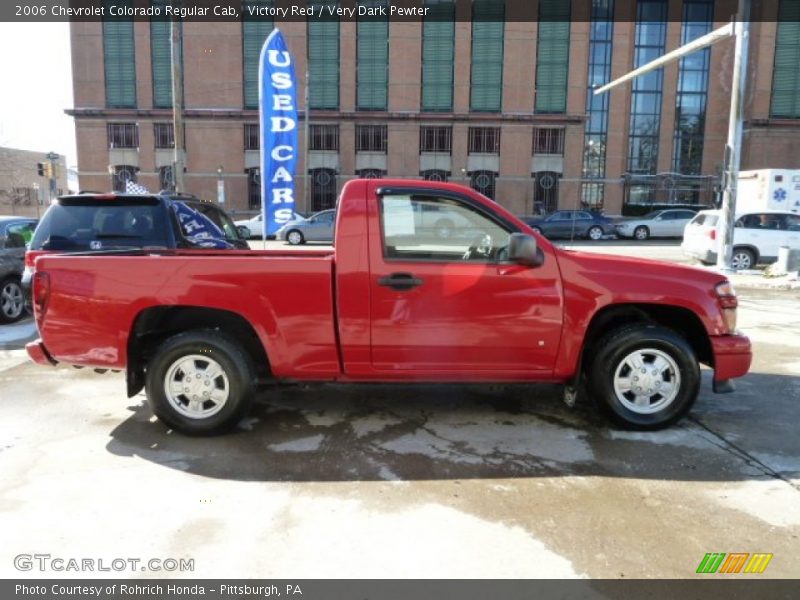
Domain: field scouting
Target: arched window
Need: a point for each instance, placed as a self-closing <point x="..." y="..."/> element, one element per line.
<point x="370" y="173"/>
<point x="483" y="182"/>
<point x="545" y="191"/>
<point x="323" y="188"/>
<point x="122" y="175"/>
<point x="253" y="187"/>
<point x="435" y="175"/>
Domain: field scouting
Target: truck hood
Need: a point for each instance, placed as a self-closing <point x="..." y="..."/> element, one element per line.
<point x="593" y="282"/>
<point x="629" y="276"/>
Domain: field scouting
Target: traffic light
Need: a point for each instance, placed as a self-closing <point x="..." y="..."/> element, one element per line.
<point x="40" y="169"/>
<point x="48" y="170"/>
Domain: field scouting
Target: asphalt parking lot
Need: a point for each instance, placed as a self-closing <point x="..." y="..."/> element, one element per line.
<point x="405" y="481"/>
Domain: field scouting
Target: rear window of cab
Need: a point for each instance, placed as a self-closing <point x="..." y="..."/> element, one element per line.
<point x="83" y="224"/>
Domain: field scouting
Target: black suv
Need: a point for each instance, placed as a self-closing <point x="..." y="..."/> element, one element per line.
<point x="101" y="222"/>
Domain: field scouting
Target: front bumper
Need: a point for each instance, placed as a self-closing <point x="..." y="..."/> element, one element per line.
<point x="627" y="233"/>
<point x="732" y="358"/>
<point x="39" y="354"/>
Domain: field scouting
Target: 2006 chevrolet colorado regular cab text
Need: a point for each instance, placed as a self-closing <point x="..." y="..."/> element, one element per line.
<point x="393" y="302"/>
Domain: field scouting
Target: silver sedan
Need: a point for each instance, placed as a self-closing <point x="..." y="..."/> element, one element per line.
<point x="316" y="228"/>
<point x="659" y="223"/>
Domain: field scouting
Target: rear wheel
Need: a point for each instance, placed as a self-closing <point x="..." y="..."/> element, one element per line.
<point x="595" y="233"/>
<point x="645" y="377"/>
<point x="295" y="238"/>
<point x="12" y="300"/>
<point x="641" y="233"/>
<point x="200" y="382"/>
<point x="742" y="258"/>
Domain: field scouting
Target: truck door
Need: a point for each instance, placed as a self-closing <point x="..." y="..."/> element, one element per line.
<point x="451" y="304"/>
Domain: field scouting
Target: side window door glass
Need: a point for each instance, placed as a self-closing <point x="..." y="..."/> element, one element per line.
<point x="409" y="234"/>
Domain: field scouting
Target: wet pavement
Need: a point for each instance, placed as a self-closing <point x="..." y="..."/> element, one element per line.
<point x="409" y="481"/>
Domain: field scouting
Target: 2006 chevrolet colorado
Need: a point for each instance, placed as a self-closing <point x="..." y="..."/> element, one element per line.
<point x="393" y="302"/>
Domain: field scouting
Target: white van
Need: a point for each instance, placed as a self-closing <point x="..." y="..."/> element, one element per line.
<point x="756" y="237"/>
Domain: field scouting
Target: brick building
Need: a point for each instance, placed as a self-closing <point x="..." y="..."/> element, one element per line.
<point x="491" y="94"/>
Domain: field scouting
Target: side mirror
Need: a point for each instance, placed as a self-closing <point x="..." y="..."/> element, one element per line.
<point x="523" y="250"/>
<point x="244" y="232"/>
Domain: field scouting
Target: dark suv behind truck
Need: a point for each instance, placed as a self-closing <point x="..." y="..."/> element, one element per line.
<point x="113" y="223"/>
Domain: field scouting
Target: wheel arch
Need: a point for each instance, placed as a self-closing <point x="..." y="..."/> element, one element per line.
<point x="155" y="324"/>
<point x="681" y="320"/>
<point x="751" y="248"/>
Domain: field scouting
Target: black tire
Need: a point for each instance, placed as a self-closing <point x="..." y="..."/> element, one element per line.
<point x="206" y="344"/>
<point x="609" y="364"/>
<point x="743" y="258"/>
<point x="299" y="240"/>
<point x="537" y="230"/>
<point x="641" y="233"/>
<point x="595" y="233"/>
<point x="12" y="300"/>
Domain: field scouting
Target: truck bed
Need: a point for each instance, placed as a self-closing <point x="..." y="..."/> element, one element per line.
<point x="286" y="295"/>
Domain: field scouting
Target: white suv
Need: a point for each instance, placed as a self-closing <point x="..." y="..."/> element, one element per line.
<point x="756" y="237"/>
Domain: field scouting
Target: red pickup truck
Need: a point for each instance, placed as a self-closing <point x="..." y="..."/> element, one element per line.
<point x="395" y="301"/>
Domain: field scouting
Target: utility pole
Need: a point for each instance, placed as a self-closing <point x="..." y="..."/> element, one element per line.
<point x="52" y="157"/>
<point x="733" y="147"/>
<point x="179" y="162"/>
<point x="307" y="186"/>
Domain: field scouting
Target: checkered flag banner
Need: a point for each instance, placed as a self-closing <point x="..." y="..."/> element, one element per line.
<point x="131" y="187"/>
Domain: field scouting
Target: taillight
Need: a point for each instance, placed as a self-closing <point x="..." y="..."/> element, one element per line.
<point x="712" y="234"/>
<point x="729" y="302"/>
<point x="29" y="258"/>
<point x="41" y="294"/>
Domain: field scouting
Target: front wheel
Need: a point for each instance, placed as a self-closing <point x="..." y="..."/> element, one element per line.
<point x="595" y="233"/>
<point x="12" y="300"/>
<point x="200" y="382"/>
<point x="295" y="238"/>
<point x="645" y="377"/>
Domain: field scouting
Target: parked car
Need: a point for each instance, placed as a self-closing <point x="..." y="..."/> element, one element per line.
<point x="316" y="228"/>
<point x="15" y="234"/>
<point x="572" y="224"/>
<point x="118" y="222"/>
<point x="255" y="226"/>
<point x="757" y="236"/>
<point x="659" y="223"/>
<point x="392" y="304"/>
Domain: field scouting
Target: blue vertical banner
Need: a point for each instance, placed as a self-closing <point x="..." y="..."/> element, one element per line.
<point x="277" y="99"/>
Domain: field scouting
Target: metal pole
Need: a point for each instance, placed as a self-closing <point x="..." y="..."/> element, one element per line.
<point x="179" y="161"/>
<point x="307" y="180"/>
<point x="733" y="155"/>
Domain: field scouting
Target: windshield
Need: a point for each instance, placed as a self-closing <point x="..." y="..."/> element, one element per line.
<point x="89" y="224"/>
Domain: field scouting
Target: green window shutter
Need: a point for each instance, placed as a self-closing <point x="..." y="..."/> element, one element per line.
<point x="488" y="25"/>
<point x="323" y="63"/>
<point x="254" y="34"/>
<point x="372" y="70"/>
<point x="552" y="56"/>
<point x="161" y="60"/>
<point x="119" y="58"/>
<point x="786" y="71"/>
<point x="438" y="53"/>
